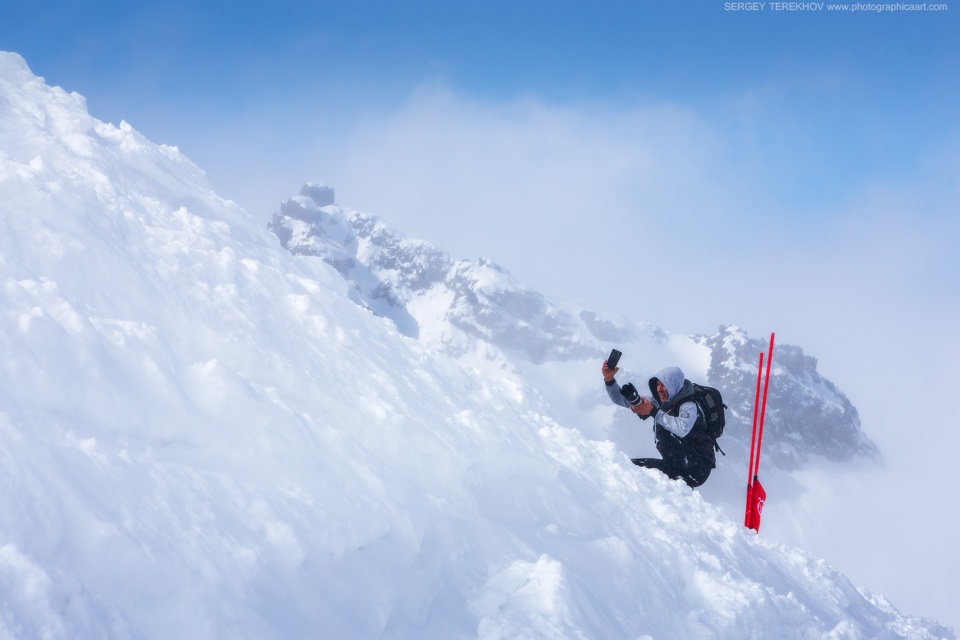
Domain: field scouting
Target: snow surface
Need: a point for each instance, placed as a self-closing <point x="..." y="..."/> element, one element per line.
<point x="202" y="436"/>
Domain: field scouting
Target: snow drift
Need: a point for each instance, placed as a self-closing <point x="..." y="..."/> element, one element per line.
<point x="204" y="436"/>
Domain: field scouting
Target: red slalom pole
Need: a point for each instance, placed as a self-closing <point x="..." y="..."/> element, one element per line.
<point x="747" y="519"/>
<point x="763" y="407"/>
<point x="756" y="412"/>
<point x="756" y="495"/>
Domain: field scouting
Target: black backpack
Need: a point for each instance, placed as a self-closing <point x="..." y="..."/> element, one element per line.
<point x="711" y="406"/>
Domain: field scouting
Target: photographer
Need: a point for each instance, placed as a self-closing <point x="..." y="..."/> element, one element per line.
<point x="688" y="452"/>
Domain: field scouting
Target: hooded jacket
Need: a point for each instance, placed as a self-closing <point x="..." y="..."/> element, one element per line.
<point x="678" y="414"/>
<point x="678" y="422"/>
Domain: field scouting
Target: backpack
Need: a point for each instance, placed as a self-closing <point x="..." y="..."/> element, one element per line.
<point x="711" y="406"/>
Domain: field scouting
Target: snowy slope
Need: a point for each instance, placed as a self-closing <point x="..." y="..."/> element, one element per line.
<point x="203" y="436"/>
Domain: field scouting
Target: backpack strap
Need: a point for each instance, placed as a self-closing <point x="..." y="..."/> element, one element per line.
<point x="703" y="417"/>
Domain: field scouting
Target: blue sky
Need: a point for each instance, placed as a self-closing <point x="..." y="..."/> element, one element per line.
<point x="802" y="156"/>
<point x="835" y="98"/>
<point x="802" y="141"/>
<point x="676" y="162"/>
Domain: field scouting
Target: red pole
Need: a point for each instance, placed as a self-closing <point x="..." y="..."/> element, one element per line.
<point x="756" y="411"/>
<point x="749" y="521"/>
<point x="763" y="408"/>
<point x="756" y="495"/>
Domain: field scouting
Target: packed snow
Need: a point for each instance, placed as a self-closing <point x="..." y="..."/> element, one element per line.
<point x="204" y="436"/>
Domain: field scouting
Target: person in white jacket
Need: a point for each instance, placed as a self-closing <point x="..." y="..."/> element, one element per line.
<point x="678" y="424"/>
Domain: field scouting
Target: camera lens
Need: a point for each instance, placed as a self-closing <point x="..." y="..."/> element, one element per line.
<point x="630" y="394"/>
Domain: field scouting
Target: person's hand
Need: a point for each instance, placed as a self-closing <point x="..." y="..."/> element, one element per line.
<point x="609" y="373"/>
<point x="644" y="408"/>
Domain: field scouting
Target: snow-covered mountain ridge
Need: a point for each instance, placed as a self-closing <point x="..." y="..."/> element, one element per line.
<point x="462" y="307"/>
<point x="203" y="436"/>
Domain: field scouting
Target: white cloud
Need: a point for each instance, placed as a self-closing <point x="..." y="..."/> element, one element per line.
<point x="568" y="197"/>
<point x="560" y="195"/>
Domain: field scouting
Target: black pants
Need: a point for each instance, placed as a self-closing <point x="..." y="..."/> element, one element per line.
<point x="694" y="473"/>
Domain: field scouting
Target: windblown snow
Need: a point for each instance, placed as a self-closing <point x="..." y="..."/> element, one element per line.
<point x="205" y="436"/>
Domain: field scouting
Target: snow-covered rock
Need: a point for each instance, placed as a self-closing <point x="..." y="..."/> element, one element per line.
<point x="808" y="415"/>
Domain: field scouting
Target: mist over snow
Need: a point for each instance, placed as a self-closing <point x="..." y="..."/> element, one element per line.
<point x="204" y="434"/>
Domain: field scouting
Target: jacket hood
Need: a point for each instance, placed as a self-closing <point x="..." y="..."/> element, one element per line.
<point x="672" y="378"/>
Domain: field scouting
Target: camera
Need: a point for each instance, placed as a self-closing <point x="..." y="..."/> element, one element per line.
<point x="630" y="394"/>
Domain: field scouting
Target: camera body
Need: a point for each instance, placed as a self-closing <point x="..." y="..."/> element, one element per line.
<point x="630" y="394"/>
